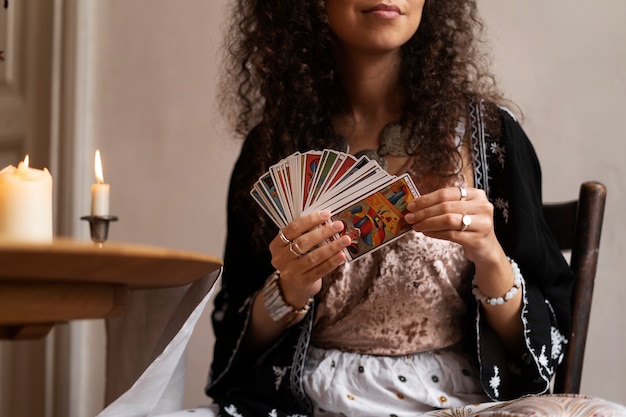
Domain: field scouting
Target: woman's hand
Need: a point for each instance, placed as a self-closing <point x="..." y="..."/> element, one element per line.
<point x="302" y="259"/>
<point x="461" y="215"/>
<point x="443" y="214"/>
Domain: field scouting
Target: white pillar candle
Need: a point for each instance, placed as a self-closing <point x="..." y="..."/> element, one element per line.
<point x="25" y="203"/>
<point x="99" y="191"/>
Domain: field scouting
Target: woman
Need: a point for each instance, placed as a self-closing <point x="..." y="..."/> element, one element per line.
<point x="433" y="320"/>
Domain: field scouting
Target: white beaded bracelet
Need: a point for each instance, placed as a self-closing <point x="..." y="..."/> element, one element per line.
<point x="517" y="284"/>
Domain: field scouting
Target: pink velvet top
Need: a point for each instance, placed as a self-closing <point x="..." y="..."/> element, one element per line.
<point x="404" y="298"/>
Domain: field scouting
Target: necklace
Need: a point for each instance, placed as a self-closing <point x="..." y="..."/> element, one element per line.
<point x="394" y="141"/>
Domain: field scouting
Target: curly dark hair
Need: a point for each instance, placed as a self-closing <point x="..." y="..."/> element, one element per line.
<point x="281" y="78"/>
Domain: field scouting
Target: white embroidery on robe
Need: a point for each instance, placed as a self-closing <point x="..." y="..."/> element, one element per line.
<point x="558" y="340"/>
<point x="503" y="205"/>
<point x="499" y="152"/>
<point x="280" y="374"/>
<point x="543" y="359"/>
<point x="232" y="410"/>
<point x="494" y="382"/>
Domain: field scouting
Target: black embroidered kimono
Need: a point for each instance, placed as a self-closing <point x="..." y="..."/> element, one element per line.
<point x="506" y="167"/>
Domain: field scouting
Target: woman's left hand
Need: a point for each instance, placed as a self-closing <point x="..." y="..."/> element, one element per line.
<point x="461" y="215"/>
<point x="440" y="214"/>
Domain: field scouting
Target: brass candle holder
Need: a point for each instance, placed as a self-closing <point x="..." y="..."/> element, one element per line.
<point x="99" y="227"/>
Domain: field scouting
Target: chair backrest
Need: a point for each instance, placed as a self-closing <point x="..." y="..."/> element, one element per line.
<point x="577" y="226"/>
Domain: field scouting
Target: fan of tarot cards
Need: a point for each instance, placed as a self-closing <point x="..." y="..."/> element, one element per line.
<point x="357" y="191"/>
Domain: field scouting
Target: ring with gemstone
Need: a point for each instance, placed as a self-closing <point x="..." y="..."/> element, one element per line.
<point x="466" y="221"/>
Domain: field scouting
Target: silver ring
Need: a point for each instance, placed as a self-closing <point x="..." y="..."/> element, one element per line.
<point x="295" y="249"/>
<point x="466" y="221"/>
<point x="284" y="238"/>
<point x="463" y="193"/>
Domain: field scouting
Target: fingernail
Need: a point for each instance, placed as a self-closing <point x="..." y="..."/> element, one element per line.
<point x="337" y="226"/>
<point x="325" y="214"/>
<point x="409" y="218"/>
<point x="345" y="240"/>
<point x="411" y="206"/>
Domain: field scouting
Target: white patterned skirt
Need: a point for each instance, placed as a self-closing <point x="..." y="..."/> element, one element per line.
<point x="352" y="384"/>
<point x="442" y="383"/>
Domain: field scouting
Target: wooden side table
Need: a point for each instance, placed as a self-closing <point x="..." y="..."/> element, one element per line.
<point x="45" y="284"/>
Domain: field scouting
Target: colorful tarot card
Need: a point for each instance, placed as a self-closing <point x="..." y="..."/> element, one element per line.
<point x="267" y="207"/>
<point x="267" y="189"/>
<point x="377" y="219"/>
<point x="327" y="161"/>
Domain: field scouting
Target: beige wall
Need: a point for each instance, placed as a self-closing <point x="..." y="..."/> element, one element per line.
<point x="155" y="120"/>
<point x="564" y="63"/>
<point x="168" y="157"/>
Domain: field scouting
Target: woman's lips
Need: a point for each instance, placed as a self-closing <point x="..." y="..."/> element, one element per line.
<point x="387" y="11"/>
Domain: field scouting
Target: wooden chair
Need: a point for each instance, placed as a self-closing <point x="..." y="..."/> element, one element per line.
<point x="577" y="226"/>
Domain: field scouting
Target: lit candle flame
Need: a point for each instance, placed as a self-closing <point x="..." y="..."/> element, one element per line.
<point x="98" y="166"/>
<point x="26" y="160"/>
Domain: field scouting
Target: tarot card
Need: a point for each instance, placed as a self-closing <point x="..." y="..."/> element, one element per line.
<point x="366" y="184"/>
<point x="377" y="219"/>
<point x="294" y="174"/>
<point x="369" y="175"/>
<point x="342" y="170"/>
<point x="268" y="190"/>
<point x="311" y="162"/>
<point x="341" y="166"/>
<point x="280" y="178"/>
<point x="267" y="207"/>
<point x="327" y="161"/>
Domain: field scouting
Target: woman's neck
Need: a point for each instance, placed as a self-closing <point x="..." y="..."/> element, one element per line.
<point x="374" y="98"/>
<point x="371" y="84"/>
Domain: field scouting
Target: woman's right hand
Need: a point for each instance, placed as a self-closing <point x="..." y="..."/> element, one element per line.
<point x="303" y="262"/>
